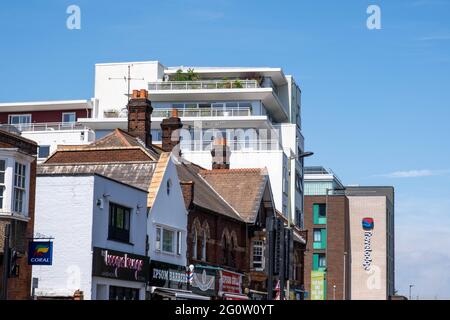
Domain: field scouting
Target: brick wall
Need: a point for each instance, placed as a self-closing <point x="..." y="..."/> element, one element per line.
<point x="113" y="155"/>
<point x="337" y="243"/>
<point x="217" y="225"/>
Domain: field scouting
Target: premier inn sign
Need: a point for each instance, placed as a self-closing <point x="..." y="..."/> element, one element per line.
<point x="119" y="265"/>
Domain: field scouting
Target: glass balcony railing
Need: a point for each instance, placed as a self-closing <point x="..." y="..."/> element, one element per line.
<point x="48" y="126"/>
<point x="203" y="85"/>
<point x="236" y="145"/>
<point x="203" y="112"/>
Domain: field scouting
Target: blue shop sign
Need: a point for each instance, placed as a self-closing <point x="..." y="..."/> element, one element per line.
<point x="40" y="253"/>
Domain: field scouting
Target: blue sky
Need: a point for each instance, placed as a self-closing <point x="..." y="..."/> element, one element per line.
<point x="376" y="103"/>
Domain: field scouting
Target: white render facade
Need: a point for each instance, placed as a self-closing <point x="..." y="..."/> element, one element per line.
<point x="80" y="227"/>
<point x="244" y="105"/>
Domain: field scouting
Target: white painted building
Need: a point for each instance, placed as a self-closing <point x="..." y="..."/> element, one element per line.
<point x="48" y="123"/>
<point x="245" y="104"/>
<point x="85" y="225"/>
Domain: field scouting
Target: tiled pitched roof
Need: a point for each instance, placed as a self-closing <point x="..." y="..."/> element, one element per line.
<point x="112" y="147"/>
<point x="243" y="189"/>
<point x="117" y="138"/>
<point x="204" y="195"/>
<point x="138" y="175"/>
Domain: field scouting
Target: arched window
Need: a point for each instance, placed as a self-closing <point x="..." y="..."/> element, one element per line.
<point x="194" y="244"/>
<point x="204" y="238"/>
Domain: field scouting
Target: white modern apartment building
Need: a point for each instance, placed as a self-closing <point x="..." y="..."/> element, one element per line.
<point x="257" y="109"/>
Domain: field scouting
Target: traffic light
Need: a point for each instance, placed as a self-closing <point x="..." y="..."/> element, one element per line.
<point x="13" y="271"/>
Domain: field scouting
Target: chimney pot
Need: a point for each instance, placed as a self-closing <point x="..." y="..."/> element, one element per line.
<point x="174" y="113"/>
<point x="143" y="93"/>
<point x="220" y="152"/>
<point x="135" y="94"/>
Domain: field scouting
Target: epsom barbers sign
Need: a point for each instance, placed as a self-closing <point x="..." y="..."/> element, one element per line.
<point x="167" y="275"/>
<point x="119" y="265"/>
<point x="368" y="225"/>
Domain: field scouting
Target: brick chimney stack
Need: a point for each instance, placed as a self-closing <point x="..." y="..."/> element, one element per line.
<point x="220" y="152"/>
<point x="139" y="116"/>
<point x="170" y="135"/>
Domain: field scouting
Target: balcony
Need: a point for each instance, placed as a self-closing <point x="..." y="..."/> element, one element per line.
<point x="220" y="90"/>
<point x="48" y="126"/>
<point x="203" y="112"/>
<point x="203" y="85"/>
<point x="235" y="145"/>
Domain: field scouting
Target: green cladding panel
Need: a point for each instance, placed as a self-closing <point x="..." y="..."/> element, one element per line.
<point x="319" y="213"/>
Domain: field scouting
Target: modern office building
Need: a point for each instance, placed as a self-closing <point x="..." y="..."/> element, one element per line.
<point x="351" y="255"/>
<point x="257" y="109"/>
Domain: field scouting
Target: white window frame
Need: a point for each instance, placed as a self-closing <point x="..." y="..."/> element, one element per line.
<point x="20" y="115"/>
<point x="160" y="240"/>
<point x="71" y="113"/>
<point x="317" y="231"/>
<point x="258" y="244"/>
<point x="18" y="187"/>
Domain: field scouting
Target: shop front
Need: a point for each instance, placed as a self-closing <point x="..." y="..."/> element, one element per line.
<point x="118" y="275"/>
<point x="169" y="282"/>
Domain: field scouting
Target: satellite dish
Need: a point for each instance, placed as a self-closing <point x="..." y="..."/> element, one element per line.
<point x="166" y="77"/>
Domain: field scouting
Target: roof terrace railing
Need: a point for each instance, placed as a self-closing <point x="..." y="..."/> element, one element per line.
<point x="47" y="126"/>
<point x="203" y="85"/>
<point x="203" y="112"/>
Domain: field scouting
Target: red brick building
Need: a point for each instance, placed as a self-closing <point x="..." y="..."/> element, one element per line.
<point x="17" y="203"/>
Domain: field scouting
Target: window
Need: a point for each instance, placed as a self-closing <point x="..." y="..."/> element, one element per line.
<point x="2" y="181"/>
<point x="298" y="181"/>
<point x="165" y="240"/>
<point x="168" y="186"/>
<point x="317" y="235"/>
<point x="258" y="255"/>
<point x="69" y="117"/>
<point x="299" y="218"/>
<point x="43" y="152"/>
<point x="320" y="213"/>
<point x="319" y="261"/>
<point x="322" y="261"/>
<point x="204" y="246"/>
<point x="19" y="187"/>
<point x="119" y="223"/>
<point x="320" y="238"/>
<point x="19" y="118"/>
<point x="179" y="243"/>
<point x="194" y="244"/>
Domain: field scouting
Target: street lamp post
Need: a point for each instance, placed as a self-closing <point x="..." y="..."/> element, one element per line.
<point x="291" y="158"/>
<point x="410" y="287"/>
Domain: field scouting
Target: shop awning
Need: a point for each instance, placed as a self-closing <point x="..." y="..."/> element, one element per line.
<point x="234" y="296"/>
<point x="176" y="294"/>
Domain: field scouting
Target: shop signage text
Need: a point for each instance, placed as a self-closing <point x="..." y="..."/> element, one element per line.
<point x="368" y="225"/>
<point x="40" y="253"/>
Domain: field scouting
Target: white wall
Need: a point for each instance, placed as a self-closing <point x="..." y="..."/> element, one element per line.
<point x="66" y="208"/>
<point x="168" y="211"/>
<point x="60" y="137"/>
<point x="125" y="196"/>
<point x="64" y="211"/>
<point x="111" y="94"/>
